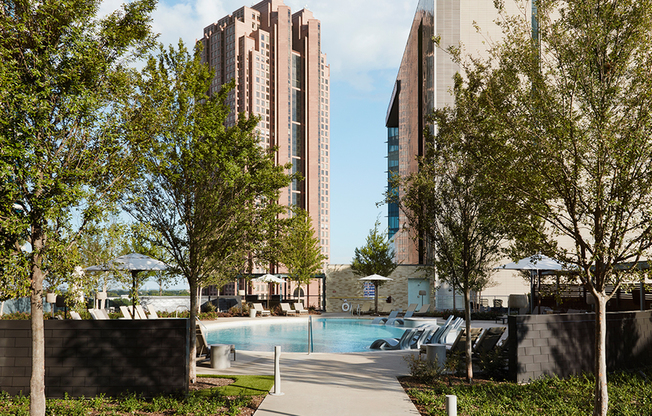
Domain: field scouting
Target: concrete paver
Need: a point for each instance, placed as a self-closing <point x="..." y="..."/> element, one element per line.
<point x="329" y="384"/>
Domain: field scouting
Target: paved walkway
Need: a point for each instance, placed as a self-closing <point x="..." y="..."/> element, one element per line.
<point x="329" y="384"/>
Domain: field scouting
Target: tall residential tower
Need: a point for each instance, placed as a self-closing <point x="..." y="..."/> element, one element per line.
<point x="282" y="76"/>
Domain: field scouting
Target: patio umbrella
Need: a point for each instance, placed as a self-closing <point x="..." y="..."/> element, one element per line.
<point x="130" y="262"/>
<point x="268" y="278"/>
<point x="377" y="280"/>
<point x="535" y="264"/>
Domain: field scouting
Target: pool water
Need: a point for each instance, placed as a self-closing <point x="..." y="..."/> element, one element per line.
<point x="329" y="335"/>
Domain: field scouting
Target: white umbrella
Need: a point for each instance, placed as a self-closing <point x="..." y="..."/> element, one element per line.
<point x="130" y="262"/>
<point x="268" y="278"/>
<point x="535" y="264"/>
<point x="377" y="281"/>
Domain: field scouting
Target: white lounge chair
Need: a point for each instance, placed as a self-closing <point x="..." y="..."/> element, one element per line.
<point x="125" y="312"/>
<point x="74" y="315"/>
<point x="298" y="306"/>
<point x="259" y="309"/>
<point x="99" y="314"/>
<point x="152" y="312"/>
<point x="287" y="310"/>
<point x="140" y="312"/>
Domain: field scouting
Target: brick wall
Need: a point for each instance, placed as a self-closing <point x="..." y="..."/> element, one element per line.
<point x="564" y="344"/>
<point x="86" y="358"/>
<point x="342" y="284"/>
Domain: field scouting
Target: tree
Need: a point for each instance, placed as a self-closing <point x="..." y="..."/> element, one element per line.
<point x="62" y="148"/>
<point x="208" y="192"/>
<point x="376" y="257"/>
<point x="99" y="244"/>
<point x="567" y="133"/>
<point x="448" y="206"/>
<point x="301" y="254"/>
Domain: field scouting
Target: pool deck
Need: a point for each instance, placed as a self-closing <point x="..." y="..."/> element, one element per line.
<point x="328" y="384"/>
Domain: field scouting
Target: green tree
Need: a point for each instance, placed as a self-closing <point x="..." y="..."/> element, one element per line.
<point x="301" y="254"/>
<point x="566" y="134"/>
<point x="99" y="244"/>
<point x="375" y="257"/>
<point x="62" y="148"/>
<point x="209" y="192"/>
<point x="448" y="205"/>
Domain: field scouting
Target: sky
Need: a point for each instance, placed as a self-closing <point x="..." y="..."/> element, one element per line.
<point x="364" y="42"/>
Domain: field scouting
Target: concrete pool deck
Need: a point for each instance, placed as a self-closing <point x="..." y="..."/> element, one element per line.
<point x="328" y="384"/>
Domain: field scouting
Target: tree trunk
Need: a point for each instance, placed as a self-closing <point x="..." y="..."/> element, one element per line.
<point x="468" y="346"/>
<point x="194" y="311"/>
<point x="601" y="399"/>
<point x="37" y="381"/>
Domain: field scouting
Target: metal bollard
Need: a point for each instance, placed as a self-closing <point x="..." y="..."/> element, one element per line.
<point x="277" y="371"/>
<point x="451" y="405"/>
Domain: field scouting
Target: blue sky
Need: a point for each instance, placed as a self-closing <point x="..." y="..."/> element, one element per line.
<point x="364" y="41"/>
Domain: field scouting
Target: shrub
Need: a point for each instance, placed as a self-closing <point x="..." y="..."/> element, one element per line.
<point x="493" y="363"/>
<point x="423" y="370"/>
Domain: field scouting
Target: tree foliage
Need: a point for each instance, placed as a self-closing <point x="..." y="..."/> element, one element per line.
<point x="375" y="257"/>
<point x="62" y="147"/>
<point x="302" y="254"/>
<point x="209" y="192"/>
<point x="566" y="130"/>
<point x="449" y="207"/>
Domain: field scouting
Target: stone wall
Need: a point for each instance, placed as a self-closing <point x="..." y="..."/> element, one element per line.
<point x="563" y="344"/>
<point x="87" y="358"/>
<point x="342" y="285"/>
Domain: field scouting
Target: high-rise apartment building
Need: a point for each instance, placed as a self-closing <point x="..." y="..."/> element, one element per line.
<point x="425" y="82"/>
<point x="281" y="76"/>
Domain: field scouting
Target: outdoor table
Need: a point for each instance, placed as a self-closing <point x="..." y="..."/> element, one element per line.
<point x="220" y="355"/>
<point x="436" y="352"/>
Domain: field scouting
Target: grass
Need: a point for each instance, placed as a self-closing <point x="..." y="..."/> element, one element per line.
<point x="240" y="397"/>
<point x="630" y="394"/>
<point x="243" y="386"/>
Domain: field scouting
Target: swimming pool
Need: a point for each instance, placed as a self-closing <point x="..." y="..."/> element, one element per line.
<point x="329" y="335"/>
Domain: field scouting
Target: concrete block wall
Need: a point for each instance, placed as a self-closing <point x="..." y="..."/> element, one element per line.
<point x="342" y="284"/>
<point x="563" y="344"/>
<point x="86" y="358"/>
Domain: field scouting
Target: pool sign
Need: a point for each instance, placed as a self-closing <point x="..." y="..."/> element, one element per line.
<point x="369" y="290"/>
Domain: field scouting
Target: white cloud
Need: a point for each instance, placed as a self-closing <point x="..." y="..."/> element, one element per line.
<point x="359" y="36"/>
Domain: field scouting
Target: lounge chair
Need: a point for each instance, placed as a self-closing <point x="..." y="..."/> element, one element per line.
<point x="152" y="312"/>
<point x="423" y="310"/>
<point x="489" y="339"/>
<point x="125" y="312"/>
<point x="140" y="312"/>
<point x="383" y="319"/>
<point x="259" y="309"/>
<point x="460" y="341"/>
<point x="99" y="314"/>
<point x="365" y="308"/>
<point x="400" y="320"/>
<point x="202" y="346"/>
<point x="440" y="335"/>
<point x="285" y="308"/>
<point x="402" y="343"/>
<point x="74" y="315"/>
<point x="298" y="307"/>
<point x="428" y="332"/>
